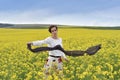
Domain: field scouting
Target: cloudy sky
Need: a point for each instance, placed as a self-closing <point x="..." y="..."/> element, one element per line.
<point x="67" y="12"/>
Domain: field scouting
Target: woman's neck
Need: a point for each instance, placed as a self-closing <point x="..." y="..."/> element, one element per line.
<point x="54" y="37"/>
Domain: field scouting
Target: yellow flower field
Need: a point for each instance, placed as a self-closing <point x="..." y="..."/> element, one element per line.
<point x="18" y="63"/>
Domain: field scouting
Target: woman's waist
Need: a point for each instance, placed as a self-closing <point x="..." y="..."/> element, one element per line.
<point x="55" y="53"/>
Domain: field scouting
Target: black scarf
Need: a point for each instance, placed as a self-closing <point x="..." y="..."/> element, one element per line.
<point x="90" y="51"/>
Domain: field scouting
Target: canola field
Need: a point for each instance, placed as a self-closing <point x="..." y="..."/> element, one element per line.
<point x="18" y="63"/>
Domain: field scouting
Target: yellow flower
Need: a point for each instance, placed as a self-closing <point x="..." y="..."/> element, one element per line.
<point x="14" y="76"/>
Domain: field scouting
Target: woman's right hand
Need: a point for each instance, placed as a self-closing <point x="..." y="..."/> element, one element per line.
<point x="66" y="60"/>
<point x="29" y="43"/>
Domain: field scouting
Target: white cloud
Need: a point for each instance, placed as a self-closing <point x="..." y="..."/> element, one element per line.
<point x="109" y="17"/>
<point x="28" y="16"/>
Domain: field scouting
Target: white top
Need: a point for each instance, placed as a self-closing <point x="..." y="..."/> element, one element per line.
<point x="51" y="43"/>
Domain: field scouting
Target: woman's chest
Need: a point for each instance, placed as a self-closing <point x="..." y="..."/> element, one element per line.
<point x="55" y="42"/>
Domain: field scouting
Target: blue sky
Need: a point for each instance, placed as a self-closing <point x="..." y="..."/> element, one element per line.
<point x="66" y="12"/>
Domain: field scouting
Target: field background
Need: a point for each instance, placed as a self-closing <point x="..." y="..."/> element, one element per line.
<point x="17" y="63"/>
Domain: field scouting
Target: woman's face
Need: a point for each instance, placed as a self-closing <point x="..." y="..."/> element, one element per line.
<point x="54" y="31"/>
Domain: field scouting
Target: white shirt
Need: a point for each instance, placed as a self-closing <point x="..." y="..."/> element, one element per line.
<point x="51" y="43"/>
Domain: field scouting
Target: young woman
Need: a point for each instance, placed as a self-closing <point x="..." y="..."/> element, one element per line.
<point x="55" y="55"/>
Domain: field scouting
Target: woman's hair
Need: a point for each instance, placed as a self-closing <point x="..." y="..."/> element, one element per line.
<point x="51" y="26"/>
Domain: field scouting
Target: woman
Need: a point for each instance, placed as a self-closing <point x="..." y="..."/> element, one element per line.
<point x="55" y="55"/>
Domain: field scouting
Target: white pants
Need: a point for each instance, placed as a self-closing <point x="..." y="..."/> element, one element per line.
<point x="53" y="62"/>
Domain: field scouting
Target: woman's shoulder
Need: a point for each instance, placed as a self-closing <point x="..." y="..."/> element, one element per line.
<point x="48" y="37"/>
<point x="60" y="38"/>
